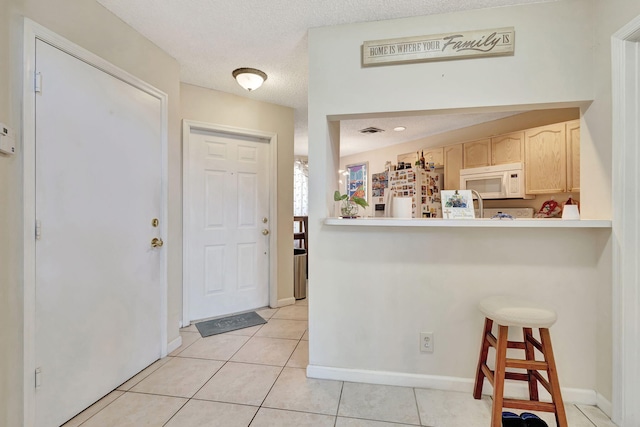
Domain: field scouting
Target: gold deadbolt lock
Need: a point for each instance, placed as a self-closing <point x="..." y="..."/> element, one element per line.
<point x="156" y="242"/>
<point x="155" y="222"/>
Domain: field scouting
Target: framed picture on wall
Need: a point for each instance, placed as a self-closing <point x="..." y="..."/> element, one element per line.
<point x="357" y="180"/>
<point x="379" y="182"/>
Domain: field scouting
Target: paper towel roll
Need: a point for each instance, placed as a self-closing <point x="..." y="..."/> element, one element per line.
<point x="401" y="207"/>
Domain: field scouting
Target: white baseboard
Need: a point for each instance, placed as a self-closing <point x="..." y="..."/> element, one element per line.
<point x="604" y="405"/>
<point x="174" y="344"/>
<point x="286" y="301"/>
<point x="436" y="382"/>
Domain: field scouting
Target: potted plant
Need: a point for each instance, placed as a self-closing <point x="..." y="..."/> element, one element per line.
<point x="349" y="206"/>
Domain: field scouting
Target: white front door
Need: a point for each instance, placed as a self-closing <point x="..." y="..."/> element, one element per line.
<point x="227" y="218"/>
<point x="98" y="188"/>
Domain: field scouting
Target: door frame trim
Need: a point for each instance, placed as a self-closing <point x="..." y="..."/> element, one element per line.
<point x="625" y="67"/>
<point x="32" y="32"/>
<point x="187" y="127"/>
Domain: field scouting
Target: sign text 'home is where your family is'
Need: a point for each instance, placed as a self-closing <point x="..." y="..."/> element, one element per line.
<point x="494" y="42"/>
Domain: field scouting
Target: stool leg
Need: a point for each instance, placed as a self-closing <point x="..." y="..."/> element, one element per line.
<point x="498" y="376"/>
<point x="530" y="355"/>
<point x="556" y="395"/>
<point x="482" y="359"/>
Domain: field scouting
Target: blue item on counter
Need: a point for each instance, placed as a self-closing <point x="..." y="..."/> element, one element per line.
<point x="501" y="215"/>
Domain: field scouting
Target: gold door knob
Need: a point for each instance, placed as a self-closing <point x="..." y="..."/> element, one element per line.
<point x="156" y="242"/>
<point x="265" y="232"/>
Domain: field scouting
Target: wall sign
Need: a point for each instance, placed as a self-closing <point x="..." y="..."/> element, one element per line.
<point x="464" y="44"/>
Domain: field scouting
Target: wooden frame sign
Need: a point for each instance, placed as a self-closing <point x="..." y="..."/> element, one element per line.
<point x="464" y="44"/>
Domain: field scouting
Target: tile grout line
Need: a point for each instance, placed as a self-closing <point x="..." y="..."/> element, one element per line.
<point x="339" y="402"/>
<point x="123" y="393"/>
<point x="266" y="395"/>
<point x="281" y="371"/>
<point x="585" y="415"/>
<point x="415" y="397"/>
<point x="274" y="383"/>
<point x="176" y="413"/>
<point x="279" y="374"/>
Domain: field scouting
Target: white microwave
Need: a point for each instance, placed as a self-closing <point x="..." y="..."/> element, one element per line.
<point x="496" y="182"/>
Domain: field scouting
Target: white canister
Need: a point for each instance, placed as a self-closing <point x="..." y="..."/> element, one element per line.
<point x="570" y="212"/>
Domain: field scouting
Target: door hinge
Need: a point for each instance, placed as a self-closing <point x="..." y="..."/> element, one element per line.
<point x="37" y="82"/>
<point x="38" y="230"/>
<point x="38" y="377"/>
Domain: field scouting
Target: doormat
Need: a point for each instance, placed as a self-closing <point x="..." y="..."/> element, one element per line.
<point x="230" y="323"/>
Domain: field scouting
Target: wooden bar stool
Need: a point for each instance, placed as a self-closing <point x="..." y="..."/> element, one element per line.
<point x="514" y="312"/>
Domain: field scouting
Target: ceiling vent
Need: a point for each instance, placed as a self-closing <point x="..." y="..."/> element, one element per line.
<point x="371" y="130"/>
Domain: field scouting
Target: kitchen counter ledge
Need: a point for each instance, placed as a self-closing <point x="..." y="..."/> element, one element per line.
<point x="475" y="223"/>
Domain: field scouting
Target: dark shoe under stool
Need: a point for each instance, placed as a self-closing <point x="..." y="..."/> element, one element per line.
<point x="532" y="420"/>
<point x="509" y="419"/>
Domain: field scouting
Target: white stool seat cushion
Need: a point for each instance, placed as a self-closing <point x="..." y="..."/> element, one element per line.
<point x="513" y="311"/>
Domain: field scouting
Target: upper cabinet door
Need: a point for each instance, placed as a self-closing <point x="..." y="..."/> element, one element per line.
<point x="545" y="159"/>
<point x="435" y="156"/>
<point x="407" y="158"/>
<point x="452" y="165"/>
<point x="573" y="155"/>
<point x="507" y="148"/>
<point x="477" y="153"/>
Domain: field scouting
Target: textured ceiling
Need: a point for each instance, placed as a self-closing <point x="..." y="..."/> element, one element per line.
<point x="352" y="141"/>
<point x="211" y="38"/>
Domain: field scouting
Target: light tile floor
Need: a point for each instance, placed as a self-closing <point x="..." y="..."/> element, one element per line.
<point x="256" y="377"/>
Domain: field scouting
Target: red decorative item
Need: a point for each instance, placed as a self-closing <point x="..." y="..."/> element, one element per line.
<point x="549" y="209"/>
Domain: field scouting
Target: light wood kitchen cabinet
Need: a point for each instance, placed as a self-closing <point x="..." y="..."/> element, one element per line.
<point x="545" y="159"/>
<point x="453" y="155"/>
<point x="407" y="158"/>
<point x="435" y="155"/>
<point x="507" y="148"/>
<point x="477" y="153"/>
<point x="573" y="155"/>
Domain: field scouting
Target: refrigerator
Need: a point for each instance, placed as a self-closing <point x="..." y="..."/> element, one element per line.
<point x="422" y="186"/>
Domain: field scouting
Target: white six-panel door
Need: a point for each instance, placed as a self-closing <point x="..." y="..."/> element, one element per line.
<point x="227" y="223"/>
<point x="98" y="311"/>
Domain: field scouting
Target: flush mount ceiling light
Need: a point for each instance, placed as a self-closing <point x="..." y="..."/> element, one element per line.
<point x="249" y="78"/>
<point x="399" y="128"/>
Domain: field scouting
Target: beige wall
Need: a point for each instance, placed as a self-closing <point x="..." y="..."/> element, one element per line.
<point x="374" y="289"/>
<point x="221" y="108"/>
<point x="91" y="26"/>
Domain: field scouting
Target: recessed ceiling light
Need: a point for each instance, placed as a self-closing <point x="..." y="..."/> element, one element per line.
<point x="399" y="128"/>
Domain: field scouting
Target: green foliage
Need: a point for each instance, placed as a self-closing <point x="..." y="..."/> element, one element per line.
<point x="337" y="196"/>
<point x="357" y="200"/>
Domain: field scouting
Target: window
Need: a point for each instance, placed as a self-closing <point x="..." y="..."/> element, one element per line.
<point x="300" y="187"/>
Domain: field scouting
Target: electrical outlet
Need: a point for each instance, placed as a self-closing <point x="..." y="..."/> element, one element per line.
<point x="426" y="342"/>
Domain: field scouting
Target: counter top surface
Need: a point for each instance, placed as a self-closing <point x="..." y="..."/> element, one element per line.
<point x="477" y="223"/>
